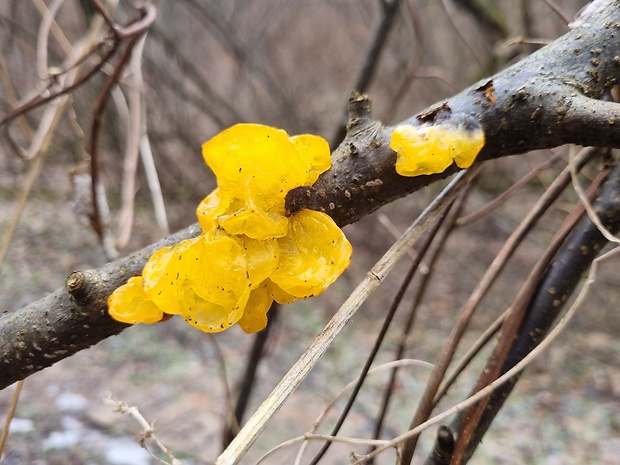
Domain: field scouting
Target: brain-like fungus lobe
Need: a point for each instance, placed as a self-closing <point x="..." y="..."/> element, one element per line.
<point x="249" y="253"/>
<point x="428" y="149"/>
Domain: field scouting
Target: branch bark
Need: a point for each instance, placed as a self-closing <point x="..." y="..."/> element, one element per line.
<point x="546" y="100"/>
<point x="72" y="318"/>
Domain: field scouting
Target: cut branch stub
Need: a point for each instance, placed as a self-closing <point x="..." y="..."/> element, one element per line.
<point x="71" y="319"/>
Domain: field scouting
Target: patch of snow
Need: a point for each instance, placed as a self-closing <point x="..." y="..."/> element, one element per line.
<point x="21" y="425"/>
<point x="123" y="451"/>
<point x="70" y="401"/>
<point x="61" y="439"/>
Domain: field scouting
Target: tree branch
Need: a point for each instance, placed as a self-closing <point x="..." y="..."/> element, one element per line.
<point x="544" y="101"/>
<point x="72" y="318"/>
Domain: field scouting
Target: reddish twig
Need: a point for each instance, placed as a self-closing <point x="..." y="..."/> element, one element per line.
<point x="133" y="33"/>
<point x="497" y="358"/>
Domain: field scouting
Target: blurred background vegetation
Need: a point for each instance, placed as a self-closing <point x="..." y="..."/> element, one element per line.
<point x="292" y="64"/>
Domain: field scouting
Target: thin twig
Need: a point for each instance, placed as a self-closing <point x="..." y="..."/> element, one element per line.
<point x="152" y="179"/>
<point x="97" y="219"/>
<point x="221" y="364"/>
<point x="105" y="15"/>
<point x="508" y="193"/>
<point x="558" y="11"/>
<point x="249" y="377"/>
<point x="12" y="96"/>
<point x="462" y="363"/>
<point x="378" y="369"/>
<point x="132" y="146"/>
<point x="583" y="197"/>
<point x="10" y="414"/>
<point x="389" y="9"/>
<point x="426" y="403"/>
<point x="148" y="431"/>
<point x="510" y="327"/>
<point x="57" y="32"/>
<point x="520" y="366"/>
<point x="435" y="253"/>
<point x="40" y="100"/>
<point x="42" y="38"/>
<point x="20" y="203"/>
<point x="450" y="14"/>
<point x="554" y="289"/>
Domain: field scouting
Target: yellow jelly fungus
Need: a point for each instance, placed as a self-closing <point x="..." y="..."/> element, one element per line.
<point x="314" y="151"/>
<point x="249" y="253"/>
<point x="262" y="258"/>
<point x="255" y="167"/>
<point x="312" y="255"/>
<point x="432" y="149"/>
<point x="132" y="305"/>
<point x="254" y="316"/>
<point x="279" y="295"/>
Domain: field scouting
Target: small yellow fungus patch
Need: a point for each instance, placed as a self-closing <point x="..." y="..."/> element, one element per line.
<point x="249" y="253"/>
<point x="432" y="149"/>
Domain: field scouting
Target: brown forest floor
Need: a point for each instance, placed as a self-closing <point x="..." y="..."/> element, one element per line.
<point x="566" y="410"/>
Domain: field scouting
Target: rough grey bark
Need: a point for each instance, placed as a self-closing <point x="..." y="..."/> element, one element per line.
<point x="72" y="318"/>
<point x="546" y="100"/>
